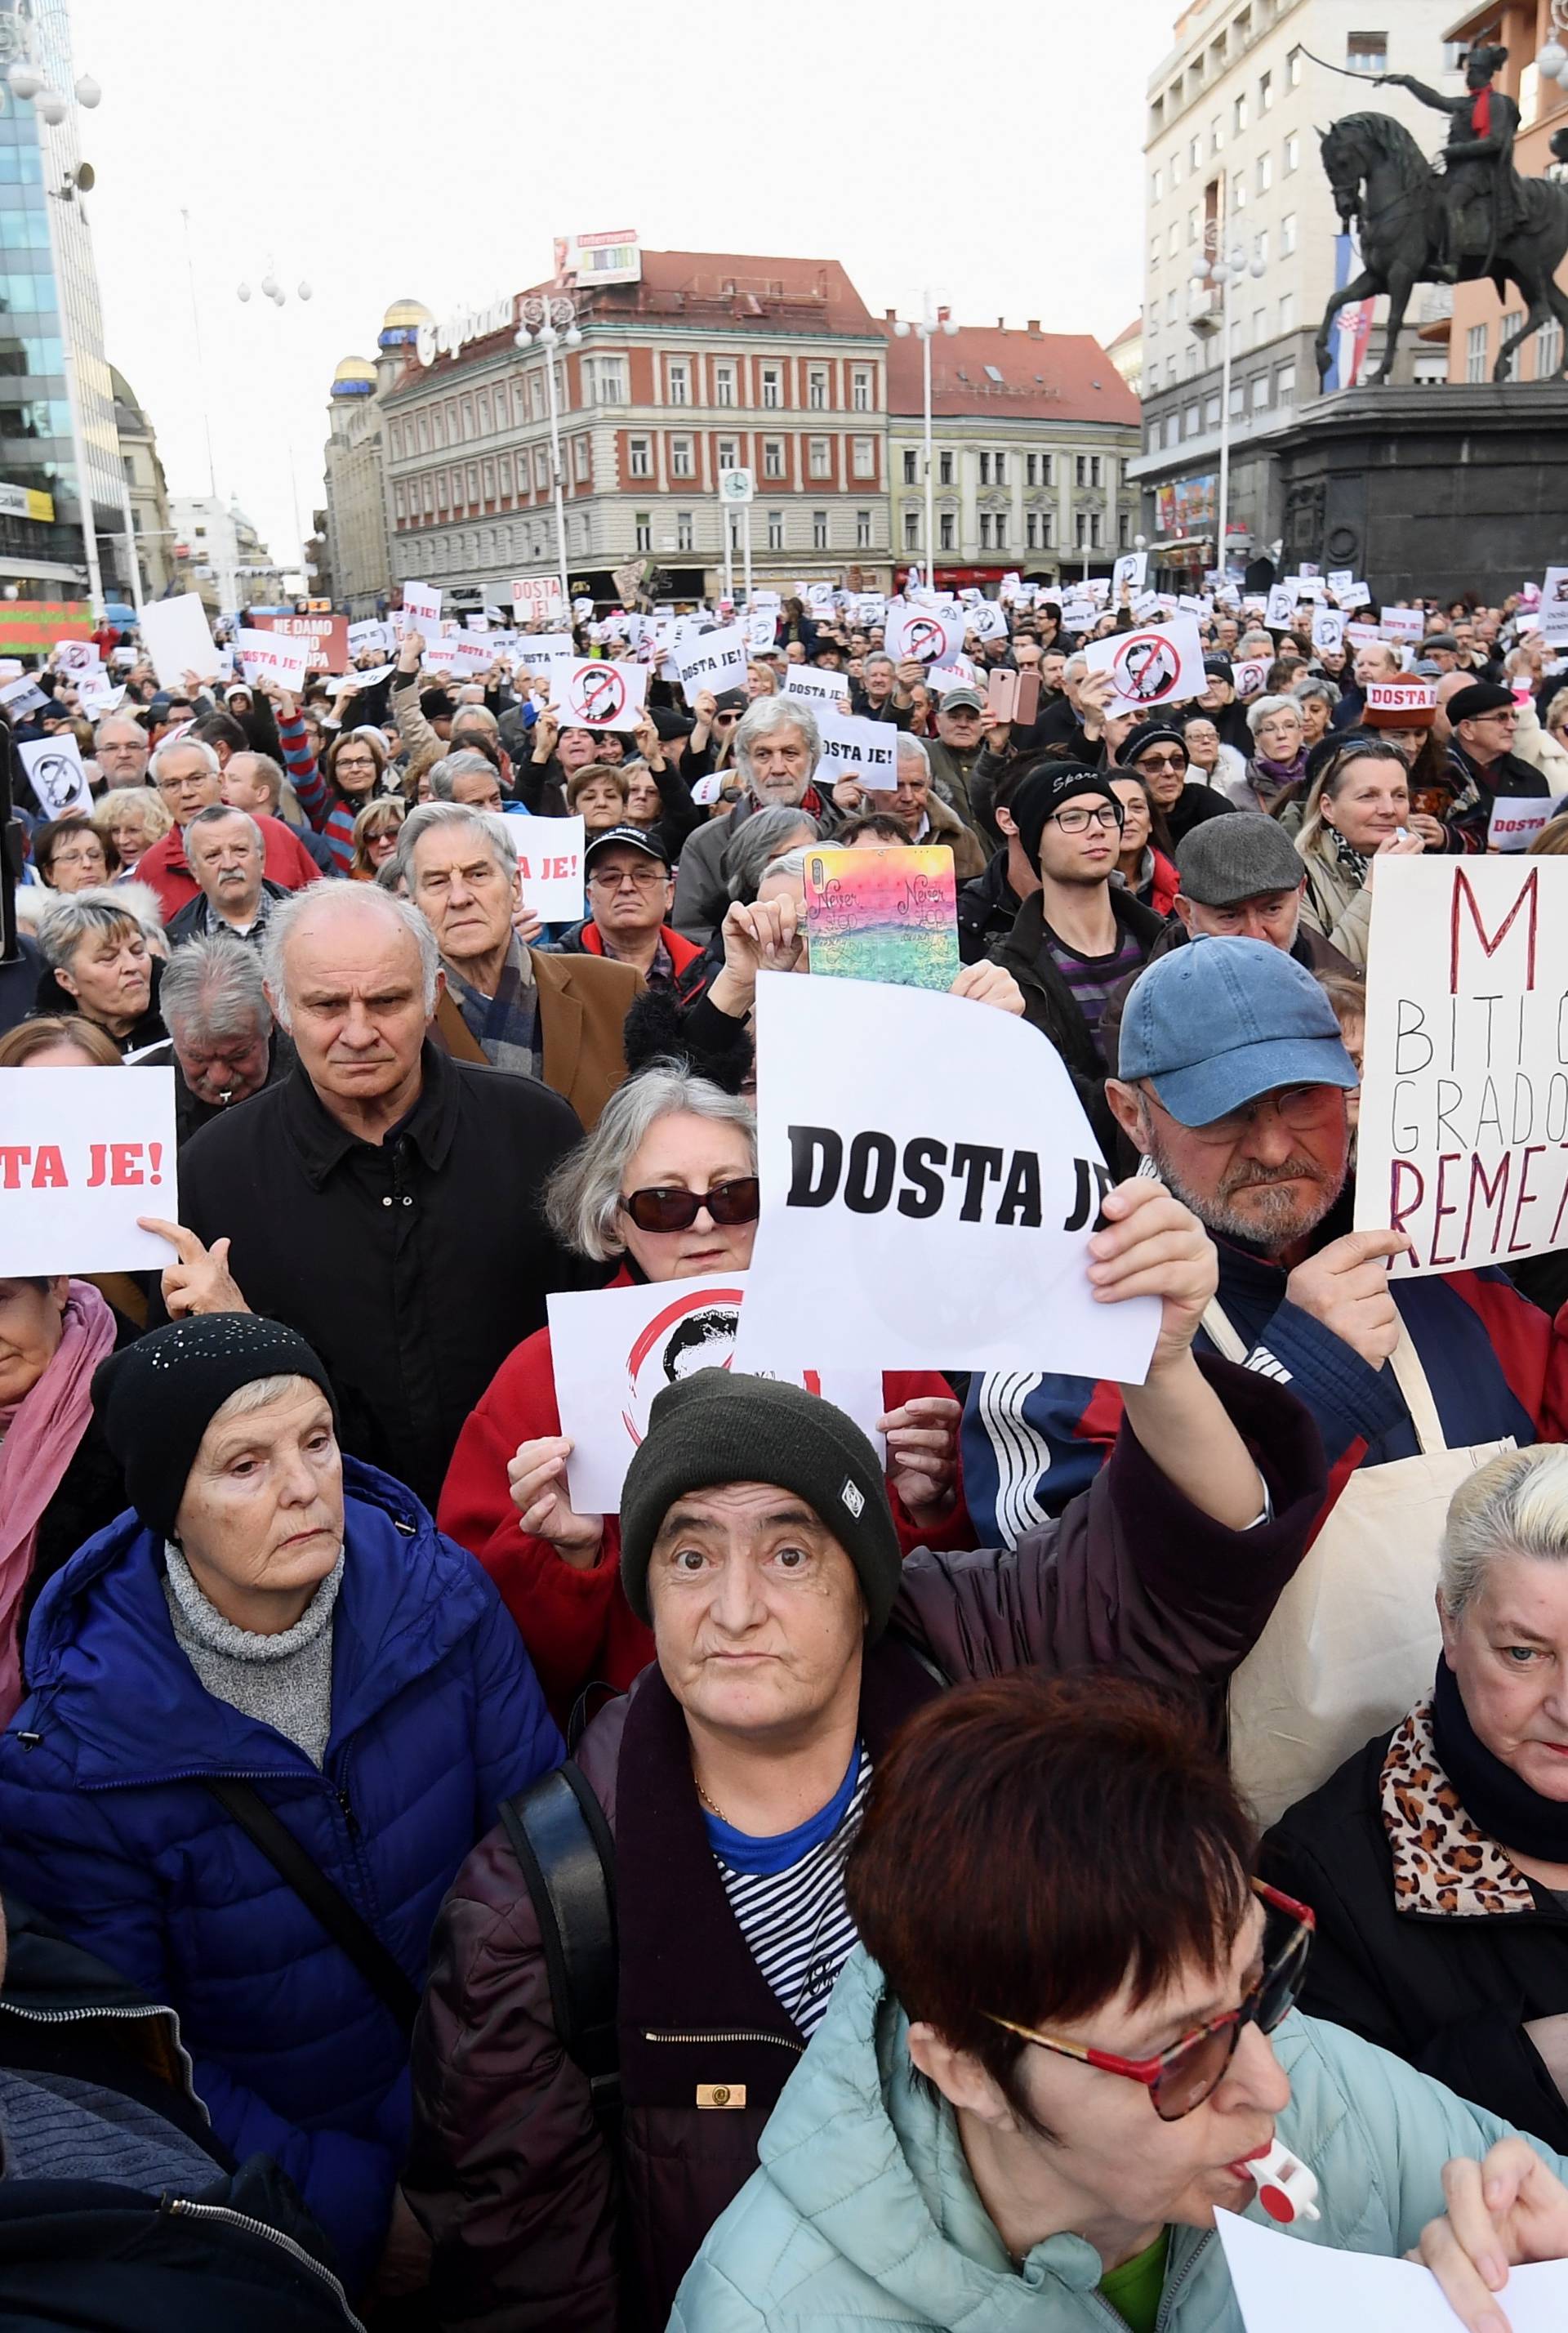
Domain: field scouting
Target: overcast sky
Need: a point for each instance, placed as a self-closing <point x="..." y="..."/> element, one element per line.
<point x="406" y="149"/>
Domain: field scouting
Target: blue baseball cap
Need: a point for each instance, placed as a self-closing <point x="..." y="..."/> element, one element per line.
<point x="1218" y="1023"/>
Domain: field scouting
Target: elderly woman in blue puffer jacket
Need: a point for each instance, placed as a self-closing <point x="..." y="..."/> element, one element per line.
<point x="274" y="1630"/>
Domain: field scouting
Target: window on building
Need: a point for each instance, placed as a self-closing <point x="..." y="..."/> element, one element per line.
<point x="1189" y="362"/>
<point x="1264" y="92"/>
<point x="774" y="457"/>
<point x="428" y="496"/>
<point x="772" y="386"/>
<point x="1192" y="418"/>
<point x="819" y="529"/>
<point x="399" y="504"/>
<point x="1288" y="311"/>
<point x="424" y="433"/>
<point x="911" y="466"/>
<point x="609" y="381"/>
<point x="947" y="539"/>
<point x="1096" y="470"/>
<point x="863" y="530"/>
<point x="1001" y="472"/>
<point x="1192" y="224"/>
<point x="1264" y="173"/>
<point x="1031" y="530"/>
<point x="468" y="416"/>
<point x="540" y="468"/>
<point x="1285" y="384"/>
<point x="1259" y="327"/>
<point x="639" y="457"/>
<point x="1157" y="186"/>
<point x="1292" y="153"/>
<point x="1260" y="392"/>
<point x="473" y="484"/>
<point x="860" y="388"/>
<point x="985" y="530"/>
<point x="503" y="475"/>
<point x="729" y="453"/>
<point x="775" y="529"/>
<point x="1047" y="529"/>
<point x="944" y="469"/>
<point x="1240" y="113"/>
<point x="1032" y="469"/>
<point x="1173" y="307"/>
<point x="484" y="411"/>
<point x="1001" y="530"/>
<point x="1172" y="430"/>
<point x="1211" y="411"/>
<point x="1510" y="323"/>
<point x="489" y="480"/>
<point x="1366" y="53"/>
<point x="910" y="527"/>
<point x="1081" y="530"/>
<point x="682" y="463"/>
<point x="1260" y="246"/>
<point x="1238" y="191"/>
<point x="1549" y="349"/>
<point x="862" y="458"/>
<point x="1153" y="251"/>
<point x="1237" y="399"/>
<point x="1293" y="70"/>
<point x="820" y="458"/>
<point x="1123" y="530"/>
<point x="817" y="387"/>
<point x="684" y="538"/>
<point x="1287" y="235"/>
<point x="723" y="384"/>
<point x="641" y="530"/>
<point x="1475" y="352"/>
<point x="581" y="460"/>
<point x="985" y="469"/>
<point x="1216" y="141"/>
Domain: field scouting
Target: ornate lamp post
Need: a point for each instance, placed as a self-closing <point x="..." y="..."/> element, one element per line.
<point x="551" y="320"/>
<point x="1221" y="266"/>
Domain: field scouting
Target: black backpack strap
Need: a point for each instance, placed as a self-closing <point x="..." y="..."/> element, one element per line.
<point x="348" y="1931"/>
<point x="563" y="1845"/>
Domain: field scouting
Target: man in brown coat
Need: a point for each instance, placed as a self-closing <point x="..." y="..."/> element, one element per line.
<point x="757" y="1543"/>
<point x="557" y="1018"/>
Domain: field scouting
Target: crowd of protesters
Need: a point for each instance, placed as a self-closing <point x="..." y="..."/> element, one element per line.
<point x="847" y="1885"/>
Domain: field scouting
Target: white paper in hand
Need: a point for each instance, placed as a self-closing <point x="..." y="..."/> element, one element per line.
<point x="550" y="866"/>
<point x="1151" y="670"/>
<point x="178" y="639"/>
<point x="1289" y="2284"/>
<point x="83" y="1156"/>
<point x="55" y="772"/>
<point x="613" y="1351"/>
<point x="910" y="1211"/>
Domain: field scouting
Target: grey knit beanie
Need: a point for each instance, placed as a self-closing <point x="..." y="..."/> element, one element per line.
<point x="721" y="1426"/>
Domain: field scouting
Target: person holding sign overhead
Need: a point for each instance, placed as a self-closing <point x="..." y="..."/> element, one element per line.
<point x="793" y="1634"/>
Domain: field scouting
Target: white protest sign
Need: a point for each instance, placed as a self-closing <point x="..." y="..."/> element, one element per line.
<point x="178" y="639"/>
<point x="715" y="661"/>
<point x="543" y="648"/>
<point x="926" y="633"/>
<point x="1249" y="675"/>
<point x="54" y="772"/>
<point x="854" y="747"/>
<point x="1130" y="574"/>
<point x="930" y="1224"/>
<point x="1402" y="624"/>
<point x="1280" y="613"/>
<point x="96" y="694"/>
<point x="370" y="634"/>
<point x="1162" y="665"/>
<point x="1463" y="1136"/>
<point x="82" y="1155"/>
<point x="761" y="629"/>
<point x="1554" y="610"/>
<point x="536" y="600"/>
<point x="22" y="695"/>
<point x="77" y="656"/>
<point x="941" y="678"/>
<point x="821" y="688"/>
<point x="550" y="870"/>
<point x="1282" y="2285"/>
<point x="1515" y="821"/>
<point x="986" y="622"/>
<point x="597" y="694"/>
<point x="273" y="656"/>
<point x="1362" y="636"/>
<point x="1354" y="594"/>
<point x="1340" y="579"/>
<point x="819" y="598"/>
<point x="613" y="1350"/>
<point x="1327" y="629"/>
<point x="470" y="653"/>
<point x="422" y="609"/>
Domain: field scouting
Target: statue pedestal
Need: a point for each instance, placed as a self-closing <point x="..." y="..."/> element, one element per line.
<point x="1430" y="491"/>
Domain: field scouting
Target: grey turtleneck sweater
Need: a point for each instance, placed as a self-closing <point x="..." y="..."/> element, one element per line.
<point x="284" y="1681"/>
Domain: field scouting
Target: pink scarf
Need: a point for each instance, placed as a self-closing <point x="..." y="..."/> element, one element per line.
<point x="41" y="1434"/>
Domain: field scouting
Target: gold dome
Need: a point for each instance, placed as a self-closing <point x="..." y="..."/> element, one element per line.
<point x="408" y="312"/>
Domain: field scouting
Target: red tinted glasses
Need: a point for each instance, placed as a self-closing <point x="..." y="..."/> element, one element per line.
<point x="739" y="1201"/>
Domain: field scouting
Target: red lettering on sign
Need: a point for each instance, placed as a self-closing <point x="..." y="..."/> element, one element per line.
<point x="1490" y="946"/>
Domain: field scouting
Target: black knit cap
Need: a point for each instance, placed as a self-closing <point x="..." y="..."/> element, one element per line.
<point x="717" y="1427"/>
<point x="155" y="1399"/>
<point x="1048" y="786"/>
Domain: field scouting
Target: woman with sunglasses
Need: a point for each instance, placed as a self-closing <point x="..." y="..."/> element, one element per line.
<point x="664" y="1188"/>
<point x="1066" y="2044"/>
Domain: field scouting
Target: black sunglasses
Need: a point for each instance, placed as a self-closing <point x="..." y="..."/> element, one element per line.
<point x="739" y="1201"/>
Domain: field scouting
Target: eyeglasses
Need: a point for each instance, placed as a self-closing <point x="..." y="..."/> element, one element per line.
<point x="1078" y="821"/>
<point x="1299" y="1108"/>
<point x="642" y="879"/>
<point x="657" y="1210"/>
<point x="1154" y="761"/>
<point x="1182" y="2077"/>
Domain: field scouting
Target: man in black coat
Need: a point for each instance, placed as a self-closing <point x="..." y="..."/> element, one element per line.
<point x="382" y="1199"/>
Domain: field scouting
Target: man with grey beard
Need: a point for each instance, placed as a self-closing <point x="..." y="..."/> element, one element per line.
<point x="1233" y="1087"/>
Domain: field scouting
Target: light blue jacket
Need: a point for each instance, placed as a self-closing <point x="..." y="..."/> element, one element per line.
<point x="862" y="2212"/>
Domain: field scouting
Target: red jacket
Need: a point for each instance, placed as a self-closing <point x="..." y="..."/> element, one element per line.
<point x="1162" y="890"/>
<point x="165" y="867"/>
<point x="577" y="1625"/>
<point x="589" y="940"/>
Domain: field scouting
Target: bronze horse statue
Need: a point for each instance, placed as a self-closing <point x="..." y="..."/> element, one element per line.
<point x="1400" y="219"/>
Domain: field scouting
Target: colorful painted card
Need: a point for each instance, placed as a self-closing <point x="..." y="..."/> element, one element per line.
<point x="883" y="915"/>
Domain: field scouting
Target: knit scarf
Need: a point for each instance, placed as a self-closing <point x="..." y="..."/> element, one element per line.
<point x="1496" y="1802"/>
<point x="1353" y="862"/>
<point x="507" y="1023"/>
<point x="41" y="1433"/>
<point x="1277" y="775"/>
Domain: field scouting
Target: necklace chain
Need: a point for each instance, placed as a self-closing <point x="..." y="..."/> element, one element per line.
<point x="712" y="1810"/>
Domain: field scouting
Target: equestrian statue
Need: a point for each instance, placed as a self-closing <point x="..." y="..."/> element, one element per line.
<point x="1467" y="215"/>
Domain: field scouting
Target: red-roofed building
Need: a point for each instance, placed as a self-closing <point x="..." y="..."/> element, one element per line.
<point x="709" y="361"/>
<point x="1031" y="433"/>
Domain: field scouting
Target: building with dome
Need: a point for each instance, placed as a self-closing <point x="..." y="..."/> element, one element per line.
<point x="357" y="536"/>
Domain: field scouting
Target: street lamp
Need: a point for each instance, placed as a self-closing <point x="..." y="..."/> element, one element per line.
<point x="1222" y="266"/>
<point x="935" y="320"/>
<point x="1552" y="56"/>
<point x="551" y="320"/>
<point x="271" y="289"/>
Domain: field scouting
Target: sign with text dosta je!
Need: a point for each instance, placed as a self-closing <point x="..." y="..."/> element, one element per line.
<point x="1464" y="1113"/>
<point x="929" y="1186"/>
<point x="81" y="1156"/>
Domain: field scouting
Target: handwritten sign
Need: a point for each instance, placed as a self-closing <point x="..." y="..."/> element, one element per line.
<point x="535" y="600"/>
<point x="82" y="1155"/>
<point x="550" y="866"/>
<point x="883" y="915"/>
<point x="948" y="1222"/>
<point x="613" y="1351"/>
<point x="598" y="695"/>
<point x="1464" y="1115"/>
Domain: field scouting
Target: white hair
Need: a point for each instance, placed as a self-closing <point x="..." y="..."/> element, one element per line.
<point x="1516" y="1504"/>
<point x="364" y="898"/>
<point x="583" y="1196"/>
<point x="186" y="744"/>
<point x="485" y="826"/>
<point x="913" y="749"/>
